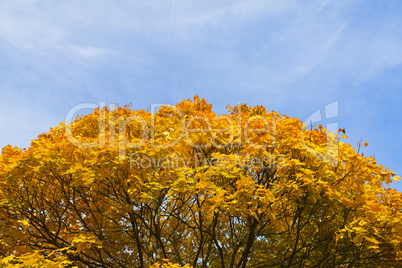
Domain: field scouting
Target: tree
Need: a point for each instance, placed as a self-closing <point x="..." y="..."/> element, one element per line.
<point x="186" y="187"/>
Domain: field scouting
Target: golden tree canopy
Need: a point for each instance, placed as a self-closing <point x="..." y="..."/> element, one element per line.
<point x="186" y="187"/>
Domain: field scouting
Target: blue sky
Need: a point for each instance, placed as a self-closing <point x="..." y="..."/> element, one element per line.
<point x="294" y="57"/>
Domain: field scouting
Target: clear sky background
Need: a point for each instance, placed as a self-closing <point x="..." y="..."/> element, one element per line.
<point x="294" y="57"/>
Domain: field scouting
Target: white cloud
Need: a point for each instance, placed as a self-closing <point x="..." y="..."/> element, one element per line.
<point x="25" y="28"/>
<point x="193" y="13"/>
<point x="89" y="51"/>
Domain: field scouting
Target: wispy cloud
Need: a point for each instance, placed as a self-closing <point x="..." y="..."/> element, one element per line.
<point x="88" y="51"/>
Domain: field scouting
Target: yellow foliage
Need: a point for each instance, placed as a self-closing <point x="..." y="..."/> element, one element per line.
<point x="186" y="188"/>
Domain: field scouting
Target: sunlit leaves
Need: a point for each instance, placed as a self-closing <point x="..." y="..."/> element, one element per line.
<point x="184" y="187"/>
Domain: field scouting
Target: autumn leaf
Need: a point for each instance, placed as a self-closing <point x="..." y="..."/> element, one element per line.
<point x="184" y="187"/>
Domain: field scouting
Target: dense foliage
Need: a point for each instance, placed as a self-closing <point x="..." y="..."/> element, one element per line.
<point x="186" y="187"/>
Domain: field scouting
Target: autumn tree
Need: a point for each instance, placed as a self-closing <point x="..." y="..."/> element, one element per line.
<point x="186" y="187"/>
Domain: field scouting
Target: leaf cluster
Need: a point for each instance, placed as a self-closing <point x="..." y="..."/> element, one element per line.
<point x="239" y="190"/>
